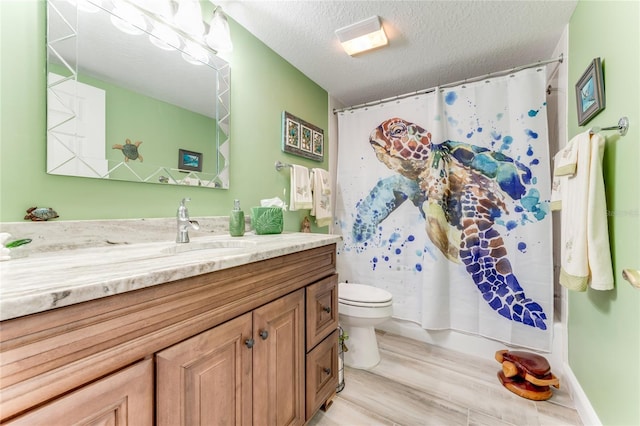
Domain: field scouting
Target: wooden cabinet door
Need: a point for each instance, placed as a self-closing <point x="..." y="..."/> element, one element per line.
<point x="278" y="362"/>
<point x="123" y="398"/>
<point x="206" y="380"/>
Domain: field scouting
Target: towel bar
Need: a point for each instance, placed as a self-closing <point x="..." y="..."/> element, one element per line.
<point x="280" y="165"/>
<point x="622" y="127"/>
<point x="633" y="276"/>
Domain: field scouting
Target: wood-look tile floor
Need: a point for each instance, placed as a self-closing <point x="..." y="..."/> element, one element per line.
<point x="420" y="384"/>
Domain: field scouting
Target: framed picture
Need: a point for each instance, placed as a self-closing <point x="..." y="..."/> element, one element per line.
<point x="590" y="98"/>
<point x="306" y="138"/>
<point x="302" y="138"/>
<point x="318" y="143"/>
<point x="292" y="133"/>
<point x="189" y="160"/>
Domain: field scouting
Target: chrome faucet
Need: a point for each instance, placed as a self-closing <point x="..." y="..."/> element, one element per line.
<point x="184" y="223"/>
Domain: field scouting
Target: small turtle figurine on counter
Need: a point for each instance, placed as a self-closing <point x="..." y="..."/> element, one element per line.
<point x="130" y="150"/>
<point x="38" y="214"/>
<point x="306" y="225"/>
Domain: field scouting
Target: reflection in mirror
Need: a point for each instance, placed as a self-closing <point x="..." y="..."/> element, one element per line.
<point x="127" y="92"/>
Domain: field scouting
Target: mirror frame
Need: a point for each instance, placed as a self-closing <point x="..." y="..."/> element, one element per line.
<point x="160" y="174"/>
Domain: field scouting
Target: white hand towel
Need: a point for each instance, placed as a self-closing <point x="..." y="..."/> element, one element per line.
<point x="321" y="187"/>
<point x="300" y="189"/>
<point x="565" y="165"/>
<point x="566" y="160"/>
<point x="585" y="254"/>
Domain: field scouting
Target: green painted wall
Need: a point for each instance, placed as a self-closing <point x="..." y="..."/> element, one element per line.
<point x="604" y="327"/>
<point x="163" y="128"/>
<point x="262" y="86"/>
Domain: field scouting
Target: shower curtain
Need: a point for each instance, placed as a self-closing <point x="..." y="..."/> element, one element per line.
<point x="442" y="199"/>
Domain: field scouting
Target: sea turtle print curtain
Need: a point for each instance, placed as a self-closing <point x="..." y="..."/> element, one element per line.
<point x="442" y="199"/>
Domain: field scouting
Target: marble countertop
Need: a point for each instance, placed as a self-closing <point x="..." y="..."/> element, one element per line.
<point x="48" y="280"/>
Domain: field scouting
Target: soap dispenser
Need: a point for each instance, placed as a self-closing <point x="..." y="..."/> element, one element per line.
<point x="236" y="220"/>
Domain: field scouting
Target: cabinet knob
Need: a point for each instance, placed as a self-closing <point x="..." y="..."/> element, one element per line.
<point x="264" y="334"/>
<point x="327" y="370"/>
<point x="327" y="309"/>
<point x="249" y="343"/>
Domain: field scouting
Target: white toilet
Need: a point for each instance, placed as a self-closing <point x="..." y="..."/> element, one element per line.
<point x="361" y="308"/>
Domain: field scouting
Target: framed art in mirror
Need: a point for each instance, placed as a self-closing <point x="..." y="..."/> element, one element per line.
<point x="302" y="138"/>
<point x="189" y="160"/>
<point x="590" y="99"/>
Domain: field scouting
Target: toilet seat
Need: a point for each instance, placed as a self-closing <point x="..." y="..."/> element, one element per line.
<point x="365" y="304"/>
<point x="363" y="295"/>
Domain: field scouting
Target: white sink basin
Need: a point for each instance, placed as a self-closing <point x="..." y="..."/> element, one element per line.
<point x="218" y="247"/>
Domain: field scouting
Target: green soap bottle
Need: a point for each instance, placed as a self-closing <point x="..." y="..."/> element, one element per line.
<point x="236" y="220"/>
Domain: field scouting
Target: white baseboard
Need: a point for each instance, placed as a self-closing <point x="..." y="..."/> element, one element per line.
<point x="583" y="405"/>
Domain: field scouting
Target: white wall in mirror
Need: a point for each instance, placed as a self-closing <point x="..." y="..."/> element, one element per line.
<point x="85" y="135"/>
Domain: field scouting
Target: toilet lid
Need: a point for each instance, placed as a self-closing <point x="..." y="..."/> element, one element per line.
<point x="360" y="293"/>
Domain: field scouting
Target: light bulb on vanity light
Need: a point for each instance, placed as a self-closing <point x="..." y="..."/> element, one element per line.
<point x="189" y="17"/>
<point x="219" y="36"/>
<point x="161" y="35"/>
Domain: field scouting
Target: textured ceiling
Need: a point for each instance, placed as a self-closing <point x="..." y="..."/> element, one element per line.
<point x="430" y="42"/>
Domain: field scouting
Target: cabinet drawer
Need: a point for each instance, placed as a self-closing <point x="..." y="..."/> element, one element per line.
<point x="322" y="373"/>
<point x="322" y="310"/>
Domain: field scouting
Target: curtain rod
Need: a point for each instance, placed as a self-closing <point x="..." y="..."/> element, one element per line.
<point x="444" y="86"/>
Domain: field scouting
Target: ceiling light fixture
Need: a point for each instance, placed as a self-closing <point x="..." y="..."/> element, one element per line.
<point x="362" y="36"/>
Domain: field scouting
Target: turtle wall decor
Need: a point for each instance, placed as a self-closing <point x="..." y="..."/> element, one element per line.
<point x="39" y="214"/>
<point x="130" y="150"/>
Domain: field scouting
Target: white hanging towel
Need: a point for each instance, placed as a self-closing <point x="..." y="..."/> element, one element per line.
<point x="578" y="191"/>
<point x="300" y="189"/>
<point x="321" y="187"/>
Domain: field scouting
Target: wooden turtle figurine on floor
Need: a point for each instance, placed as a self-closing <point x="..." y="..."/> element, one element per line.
<point x="527" y="375"/>
<point x="130" y="150"/>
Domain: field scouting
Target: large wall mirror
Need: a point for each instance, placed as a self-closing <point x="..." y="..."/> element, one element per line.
<point x="132" y="97"/>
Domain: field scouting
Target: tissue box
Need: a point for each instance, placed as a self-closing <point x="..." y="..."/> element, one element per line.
<point x="267" y="220"/>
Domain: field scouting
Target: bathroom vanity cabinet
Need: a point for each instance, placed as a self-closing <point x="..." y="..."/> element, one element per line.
<point x="259" y="354"/>
<point x="251" y="344"/>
